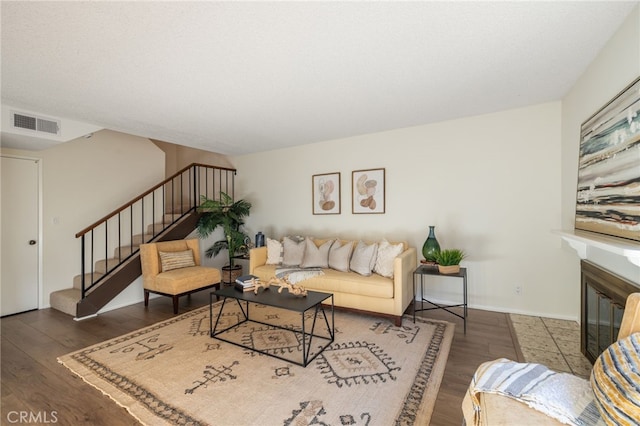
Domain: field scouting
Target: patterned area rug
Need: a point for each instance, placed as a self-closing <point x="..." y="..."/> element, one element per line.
<point x="174" y="373"/>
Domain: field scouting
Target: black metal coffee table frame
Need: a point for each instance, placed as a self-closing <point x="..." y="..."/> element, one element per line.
<point x="283" y="300"/>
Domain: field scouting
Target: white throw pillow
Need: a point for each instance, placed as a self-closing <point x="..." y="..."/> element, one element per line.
<point x="340" y="255"/>
<point x="364" y="258"/>
<point x="314" y="256"/>
<point x="274" y="252"/>
<point x="293" y="252"/>
<point x="386" y="255"/>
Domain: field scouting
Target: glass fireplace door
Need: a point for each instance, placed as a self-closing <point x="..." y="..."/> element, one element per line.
<point x="603" y="297"/>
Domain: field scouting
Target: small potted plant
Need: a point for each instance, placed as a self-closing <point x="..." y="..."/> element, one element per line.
<point x="230" y="216"/>
<point x="449" y="260"/>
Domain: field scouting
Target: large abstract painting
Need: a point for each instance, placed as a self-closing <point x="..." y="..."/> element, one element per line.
<point x="608" y="199"/>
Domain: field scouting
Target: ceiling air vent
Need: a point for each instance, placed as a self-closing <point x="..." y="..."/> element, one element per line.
<point x="38" y="124"/>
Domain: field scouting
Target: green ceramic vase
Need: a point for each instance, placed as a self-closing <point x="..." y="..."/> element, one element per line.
<point x="431" y="245"/>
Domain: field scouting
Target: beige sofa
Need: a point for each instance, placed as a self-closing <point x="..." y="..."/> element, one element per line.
<point x="388" y="297"/>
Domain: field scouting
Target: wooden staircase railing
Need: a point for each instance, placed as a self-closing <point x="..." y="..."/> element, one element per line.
<point x="107" y="244"/>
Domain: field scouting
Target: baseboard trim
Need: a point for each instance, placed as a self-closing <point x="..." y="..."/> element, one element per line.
<point x="84" y="318"/>
<point x="506" y="310"/>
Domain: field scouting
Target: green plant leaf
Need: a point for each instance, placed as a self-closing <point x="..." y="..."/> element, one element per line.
<point x="230" y="216"/>
<point x="449" y="257"/>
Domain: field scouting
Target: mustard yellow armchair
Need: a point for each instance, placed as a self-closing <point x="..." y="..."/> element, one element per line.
<point x="172" y="268"/>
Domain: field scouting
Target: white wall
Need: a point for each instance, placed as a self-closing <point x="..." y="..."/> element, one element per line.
<point x="83" y="180"/>
<point x="488" y="183"/>
<point x="616" y="66"/>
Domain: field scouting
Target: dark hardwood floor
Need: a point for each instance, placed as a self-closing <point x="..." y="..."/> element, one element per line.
<point x="34" y="384"/>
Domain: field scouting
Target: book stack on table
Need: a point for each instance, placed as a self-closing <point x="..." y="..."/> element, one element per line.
<point x="246" y="282"/>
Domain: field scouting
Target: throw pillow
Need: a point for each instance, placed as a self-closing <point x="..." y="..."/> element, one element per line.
<point x="614" y="380"/>
<point x="340" y="255"/>
<point x="274" y="252"/>
<point x="314" y="256"/>
<point x="386" y="256"/>
<point x="293" y="252"/>
<point x="170" y="260"/>
<point x="364" y="258"/>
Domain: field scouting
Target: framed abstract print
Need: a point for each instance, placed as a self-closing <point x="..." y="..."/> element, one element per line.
<point x="368" y="191"/>
<point x="326" y="193"/>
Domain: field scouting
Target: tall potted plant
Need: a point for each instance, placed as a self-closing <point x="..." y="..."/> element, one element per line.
<point x="230" y="216"/>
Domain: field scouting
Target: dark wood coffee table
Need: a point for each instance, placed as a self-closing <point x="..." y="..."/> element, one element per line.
<point x="271" y="297"/>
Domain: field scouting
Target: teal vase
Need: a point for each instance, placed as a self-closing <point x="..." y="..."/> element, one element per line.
<point x="431" y="246"/>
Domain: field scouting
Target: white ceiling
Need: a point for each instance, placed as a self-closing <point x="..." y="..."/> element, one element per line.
<point x="240" y="77"/>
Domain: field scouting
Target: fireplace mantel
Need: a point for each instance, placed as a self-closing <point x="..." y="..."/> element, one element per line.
<point x="581" y="240"/>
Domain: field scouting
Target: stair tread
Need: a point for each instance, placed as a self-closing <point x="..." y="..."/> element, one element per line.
<point x="77" y="280"/>
<point x="125" y="251"/>
<point x="65" y="300"/>
<point x="141" y="238"/>
<point x="68" y="291"/>
<point x="102" y="266"/>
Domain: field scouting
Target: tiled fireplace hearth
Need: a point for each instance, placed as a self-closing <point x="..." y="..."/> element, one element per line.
<point x="604" y="295"/>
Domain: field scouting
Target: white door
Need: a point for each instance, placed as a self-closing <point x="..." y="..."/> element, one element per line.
<point x="19" y="230"/>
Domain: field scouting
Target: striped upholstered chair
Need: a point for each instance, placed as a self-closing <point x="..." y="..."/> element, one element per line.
<point x="503" y="392"/>
<point x="172" y="268"/>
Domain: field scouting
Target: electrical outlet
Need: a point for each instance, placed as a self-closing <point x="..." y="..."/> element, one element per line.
<point x="518" y="290"/>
